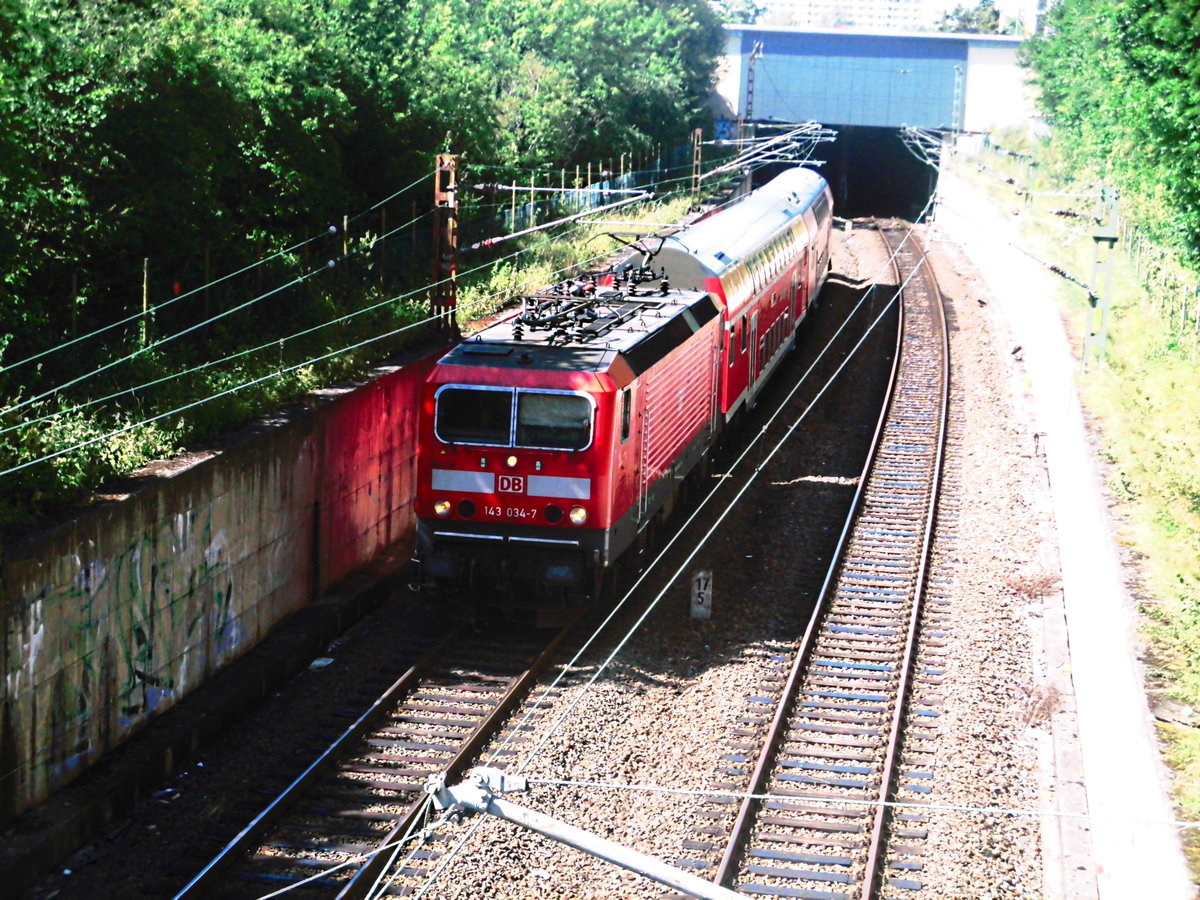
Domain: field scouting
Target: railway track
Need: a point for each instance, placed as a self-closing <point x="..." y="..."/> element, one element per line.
<point x="855" y="727"/>
<point x="834" y="751"/>
<point x="335" y="826"/>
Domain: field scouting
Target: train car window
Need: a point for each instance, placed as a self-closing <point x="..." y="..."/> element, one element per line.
<point x="553" y="421"/>
<point x="473" y="416"/>
<point x="745" y="339"/>
<point x="732" y="345"/>
<point x="626" y="412"/>
<point x="821" y="208"/>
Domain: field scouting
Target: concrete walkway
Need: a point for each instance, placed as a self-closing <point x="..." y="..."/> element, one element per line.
<point x="1137" y="850"/>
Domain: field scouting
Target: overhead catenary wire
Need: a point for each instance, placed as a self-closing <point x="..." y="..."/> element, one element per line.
<point x="277" y="342"/>
<point x="270" y="344"/>
<point x="278" y="372"/>
<point x="331" y="263"/>
<point x="162" y="342"/>
<point x="191" y="329"/>
<point x="158" y="307"/>
<point x="733" y="467"/>
<point x="832" y="803"/>
<point x="602" y="667"/>
<point x="1052" y="267"/>
<point x="388" y="199"/>
<point x="491" y="242"/>
<point x="766" y="149"/>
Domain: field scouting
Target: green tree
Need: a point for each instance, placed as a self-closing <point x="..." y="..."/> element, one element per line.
<point x="738" y="12"/>
<point x="203" y="135"/>
<point x="983" y="18"/>
<point x="1120" y="84"/>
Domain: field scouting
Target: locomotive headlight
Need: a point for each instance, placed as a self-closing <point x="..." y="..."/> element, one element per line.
<point x="578" y="515"/>
<point x="511" y="462"/>
<point x="441" y="508"/>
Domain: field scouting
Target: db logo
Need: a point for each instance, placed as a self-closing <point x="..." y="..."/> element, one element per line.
<point x="512" y="484"/>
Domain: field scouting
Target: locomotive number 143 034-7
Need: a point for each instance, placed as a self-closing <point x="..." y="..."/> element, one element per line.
<point x="510" y="512"/>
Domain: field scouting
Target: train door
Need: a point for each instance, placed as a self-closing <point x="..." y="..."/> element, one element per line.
<point x="642" y="426"/>
<point x="754" y="354"/>
<point x="795" y="311"/>
<point x="804" y="282"/>
<point x="627" y="451"/>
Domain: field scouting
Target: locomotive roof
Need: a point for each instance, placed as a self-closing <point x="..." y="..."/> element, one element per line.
<point x="737" y="231"/>
<point x="581" y="327"/>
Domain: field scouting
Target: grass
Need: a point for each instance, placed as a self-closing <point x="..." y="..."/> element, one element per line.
<point x="554" y="259"/>
<point x="1144" y="399"/>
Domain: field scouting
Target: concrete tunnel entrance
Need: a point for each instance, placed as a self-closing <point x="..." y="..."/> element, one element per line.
<point x="872" y="173"/>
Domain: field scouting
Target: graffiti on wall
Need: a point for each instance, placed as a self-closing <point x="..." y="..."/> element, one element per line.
<point x="137" y="630"/>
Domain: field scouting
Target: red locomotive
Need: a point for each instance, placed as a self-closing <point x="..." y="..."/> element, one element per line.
<point x="553" y="438"/>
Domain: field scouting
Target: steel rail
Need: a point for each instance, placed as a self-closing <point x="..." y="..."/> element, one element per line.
<point x="252" y="836"/>
<point x="366" y="879"/>
<point x="900" y="486"/>
<point x="766" y="761"/>
<point x="887" y="784"/>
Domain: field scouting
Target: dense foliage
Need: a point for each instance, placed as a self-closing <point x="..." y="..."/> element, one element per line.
<point x="983" y="18"/>
<point x="1120" y="82"/>
<point x="148" y="147"/>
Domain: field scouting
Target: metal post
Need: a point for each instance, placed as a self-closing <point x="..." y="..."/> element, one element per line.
<point x="696" y="136"/>
<point x="145" y="329"/>
<point x="444" y="296"/>
<point x="383" y="250"/>
<point x="208" y="279"/>
<point x="756" y="53"/>
<point x="1105" y="239"/>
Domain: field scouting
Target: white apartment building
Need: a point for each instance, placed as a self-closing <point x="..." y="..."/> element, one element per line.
<point x="886" y="15"/>
<point x="891" y="15"/>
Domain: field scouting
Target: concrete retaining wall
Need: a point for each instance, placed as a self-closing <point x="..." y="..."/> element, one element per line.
<point x="111" y="617"/>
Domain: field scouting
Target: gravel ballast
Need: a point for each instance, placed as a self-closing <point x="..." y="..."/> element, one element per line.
<point x="669" y="706"/>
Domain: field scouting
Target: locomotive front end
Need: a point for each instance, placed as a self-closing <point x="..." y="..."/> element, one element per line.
<point x="551" y="440"/>
<point x="512" y="482"/>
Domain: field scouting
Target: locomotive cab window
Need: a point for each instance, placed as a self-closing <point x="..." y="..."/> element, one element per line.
<point x="474" y="416"/>
<point x="481" y="415"/>
<point x="554" y="421"/>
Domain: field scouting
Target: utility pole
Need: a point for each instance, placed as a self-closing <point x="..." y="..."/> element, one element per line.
<point x="1105" y="238"/>
<point x="747" y="115"/>
<point x="443" y="298"/>
<point x="696" y="135"/>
